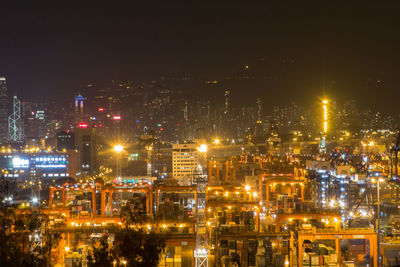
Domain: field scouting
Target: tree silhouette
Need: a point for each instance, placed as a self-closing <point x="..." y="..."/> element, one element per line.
<point x="133" y="243"/>
<point x="102" y="253"/>
<point x="25" y="236"/>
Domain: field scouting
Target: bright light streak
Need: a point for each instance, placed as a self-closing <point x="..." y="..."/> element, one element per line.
<point x="118" y="148"/>
<point x="202" y="148"/>
<point x="325" y="115"/>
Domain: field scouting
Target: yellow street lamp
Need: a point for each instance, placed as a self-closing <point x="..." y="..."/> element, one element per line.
<point x="118" y="148"/>
<point x="202" y="148"/>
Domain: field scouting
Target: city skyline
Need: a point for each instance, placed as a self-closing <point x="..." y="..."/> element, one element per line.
<point x="206" y="134"/>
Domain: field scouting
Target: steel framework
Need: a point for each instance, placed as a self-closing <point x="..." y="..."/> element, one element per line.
<point x="15" y="122"/>
<point x="201" y="250"/>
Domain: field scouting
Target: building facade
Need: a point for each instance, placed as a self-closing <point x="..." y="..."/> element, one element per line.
<point x="185" y="162"/>
<point x="3" y="111"/>
<point x="51" y="165"/>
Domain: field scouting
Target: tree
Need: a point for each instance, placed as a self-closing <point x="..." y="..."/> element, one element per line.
<point x="101" y="254"/>
<point x="25" y="238"/>
<point x="138" y="246"/>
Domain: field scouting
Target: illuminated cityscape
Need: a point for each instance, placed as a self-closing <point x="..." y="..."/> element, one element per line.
<point x="216" y="135"/>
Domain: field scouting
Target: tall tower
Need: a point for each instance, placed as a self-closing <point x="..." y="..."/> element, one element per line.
<point x="325" y="128"/>
<point x="15" y="122"/>
<point x="186" y="111"/>
<point x="259" y="131"/>
<point x="3" y="111"/>
<point x="227" y="102"/>
<point x="79" y="99"/>
<point x="259" y="109"/>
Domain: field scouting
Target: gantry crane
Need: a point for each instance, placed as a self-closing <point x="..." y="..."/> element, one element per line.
<point x="395" y="150"/>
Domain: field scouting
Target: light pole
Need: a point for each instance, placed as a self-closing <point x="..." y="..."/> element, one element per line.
<point x="118" y="150"/>
<point x="378" y="217"/>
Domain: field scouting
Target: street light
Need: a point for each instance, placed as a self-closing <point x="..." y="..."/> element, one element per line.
<point x="118" y="148"/>
<point x="378" y="217"/>
<point x="35" y="200"/>
<point x="202" y="148"/>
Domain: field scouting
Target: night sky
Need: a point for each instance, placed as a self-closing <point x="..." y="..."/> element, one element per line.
<point x="295" y="49"/>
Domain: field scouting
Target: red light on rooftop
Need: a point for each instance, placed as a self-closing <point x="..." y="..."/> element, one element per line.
<point x="101" y="109"/>
<point x="83" y="125"/>
<point x="117" y="118"/>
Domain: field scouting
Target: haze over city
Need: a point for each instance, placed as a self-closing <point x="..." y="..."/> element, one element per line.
<point x="348" y="49"/>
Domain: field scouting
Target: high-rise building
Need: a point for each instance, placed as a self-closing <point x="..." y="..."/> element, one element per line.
<point x="40" y="117"/>
<point x="65" y="140"/>
<point x="16" y="122"/>
<point x="185" y="162"/>
<point x="85" y="143"/>
<point x="79" y="101"/>
<point x="3" y="111"/>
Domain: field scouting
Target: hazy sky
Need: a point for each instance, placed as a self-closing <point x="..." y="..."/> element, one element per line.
<point x="351" y="49"/>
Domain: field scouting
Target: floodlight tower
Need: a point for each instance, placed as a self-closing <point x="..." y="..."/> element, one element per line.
<point x="201" y="251"/>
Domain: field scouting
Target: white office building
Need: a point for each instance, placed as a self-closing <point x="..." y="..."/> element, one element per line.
<point x="185" y="162"/>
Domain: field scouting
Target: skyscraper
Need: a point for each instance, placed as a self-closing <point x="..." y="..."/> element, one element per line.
<point x="3" y="111"/>
<point x="79" y="101"/>
<point x="15" y="122"/>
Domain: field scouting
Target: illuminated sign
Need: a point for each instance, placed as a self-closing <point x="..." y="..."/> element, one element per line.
<point x="55" y="161"/>
<point x="117" y="117"/>
<point x="51" y="166"/>
<point x="20" y="163"/>
<point x="83" y="125"/>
